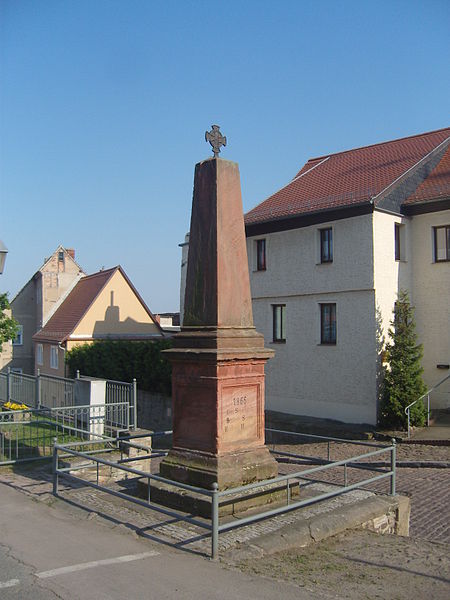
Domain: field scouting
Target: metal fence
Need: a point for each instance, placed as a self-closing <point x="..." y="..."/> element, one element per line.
<point x="118" y="391"/>
<point x="17" y="388"/>
<point x="299" y="477"/>
<point x="30" y="434"/>
<point x="53" y="392"/>
<point x="47" y="391"/>
<point x="36" y="391"/>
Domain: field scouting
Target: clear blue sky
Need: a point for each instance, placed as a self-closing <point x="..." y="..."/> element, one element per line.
<point x="104" y="105"/>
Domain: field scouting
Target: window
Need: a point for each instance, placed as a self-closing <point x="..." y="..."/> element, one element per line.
<point x="279" y="322"/>
<point x="328" y="323"/>
<point x="397" y="241"/>
<point x="39" y="354"/>
<point x="61" y="256"/>
<point x="260" y="255"/>
<point x="326" y="245"/>
<point x="54" y="357"/>
<point x="18" y="341"/>
<point x="442" y="243"/>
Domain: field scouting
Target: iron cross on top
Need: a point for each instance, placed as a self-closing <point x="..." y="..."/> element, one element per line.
<point x="216" y="139"/>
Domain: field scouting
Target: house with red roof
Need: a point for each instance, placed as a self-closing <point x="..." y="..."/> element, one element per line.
<point x="101" y="306"/>
<point x="328" y="254"/>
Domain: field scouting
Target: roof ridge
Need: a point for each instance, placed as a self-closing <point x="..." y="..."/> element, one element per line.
<point x="102" y="272"/>
<point x="408" y="137"/>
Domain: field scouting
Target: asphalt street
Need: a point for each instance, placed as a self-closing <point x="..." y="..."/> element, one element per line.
<point x="49" y="552"/>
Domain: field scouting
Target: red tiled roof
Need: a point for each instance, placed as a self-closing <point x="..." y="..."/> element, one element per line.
<point x="71" y="311"/>
<point x="436" y="185"/>
<point x="346" y="178"/>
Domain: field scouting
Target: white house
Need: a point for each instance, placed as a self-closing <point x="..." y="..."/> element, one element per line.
<point x="328" y="254"/>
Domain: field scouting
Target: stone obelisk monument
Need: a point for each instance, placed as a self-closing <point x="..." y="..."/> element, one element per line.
<point x="218" y="358"/>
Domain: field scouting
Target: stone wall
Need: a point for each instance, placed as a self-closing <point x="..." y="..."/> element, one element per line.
<point x="154" y="411"/>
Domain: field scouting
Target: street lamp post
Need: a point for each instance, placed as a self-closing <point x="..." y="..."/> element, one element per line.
<point x="3" y="253"/>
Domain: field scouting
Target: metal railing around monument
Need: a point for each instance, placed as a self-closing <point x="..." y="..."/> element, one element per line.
<point x="299" y="478"/>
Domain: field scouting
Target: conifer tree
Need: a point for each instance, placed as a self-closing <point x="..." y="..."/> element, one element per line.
<point x="403" y="381"/>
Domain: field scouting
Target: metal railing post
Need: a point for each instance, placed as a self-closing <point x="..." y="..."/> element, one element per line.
<point x="428" y="410"/>
<point x="78" y="374"/>
<point x="8" y="385"/>
<point x="55" y="467"/>
<point x="409" y="425"/>
<point x="215" y="521"/>
<point x="134" y="405"/>
<point x="393" y="467"/>
<point x="38" y="389"/>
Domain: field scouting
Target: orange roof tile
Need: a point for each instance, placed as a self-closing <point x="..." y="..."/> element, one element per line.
<point x="347" y="178"/>
<point x="436" y="185"/>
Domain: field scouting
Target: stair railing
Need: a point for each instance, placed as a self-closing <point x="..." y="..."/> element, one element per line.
<point x="427" y="396"/>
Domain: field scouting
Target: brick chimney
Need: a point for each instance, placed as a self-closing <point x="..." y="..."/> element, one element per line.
<point x="71" y="252"/>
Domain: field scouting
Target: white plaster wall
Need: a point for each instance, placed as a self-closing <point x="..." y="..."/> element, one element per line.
<point x="293" y="260"/>
<point x="431" y="297"/>
<point x="390" y="275"/>
<point x="305" y="377"/>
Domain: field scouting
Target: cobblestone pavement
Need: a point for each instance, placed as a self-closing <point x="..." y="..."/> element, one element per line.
<point x="428" y="488"/>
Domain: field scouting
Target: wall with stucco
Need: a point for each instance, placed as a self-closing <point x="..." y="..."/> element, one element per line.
<point x="390" y="275"/>
<point x="116" y="311"/>
<point x="45" y="368"/>
<point x="305" y="377"/>
<point x="293" y="260"/>
<point x="24" y="311"/>
<point x="431" y="298"/>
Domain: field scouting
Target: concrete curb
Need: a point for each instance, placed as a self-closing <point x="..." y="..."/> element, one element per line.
<point x="378" y="513"/>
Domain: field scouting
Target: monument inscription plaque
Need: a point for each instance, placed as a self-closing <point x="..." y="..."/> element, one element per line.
<point x="239" y="414"/>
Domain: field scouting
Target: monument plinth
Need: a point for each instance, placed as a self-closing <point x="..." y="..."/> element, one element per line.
<point x="218" y="358"/>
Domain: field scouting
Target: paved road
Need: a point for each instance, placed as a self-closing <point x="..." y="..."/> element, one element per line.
<point x="49" y="552"/>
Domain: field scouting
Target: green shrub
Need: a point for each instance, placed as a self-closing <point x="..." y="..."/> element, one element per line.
<point x="123" y="361"/>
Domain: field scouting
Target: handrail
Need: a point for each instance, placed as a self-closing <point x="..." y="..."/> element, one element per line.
<point x="427" y="395"/>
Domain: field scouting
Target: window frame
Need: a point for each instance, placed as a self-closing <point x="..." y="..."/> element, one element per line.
<point x="328" y="338"/>
<point x="279" y="323"/>
<point x="326" y="257"/>
<point x="261" y="255"/>
<point x="446" y="229"/>
<point x="54" y="362"/>
<point x="39" y="354"/>
<point x="18" y="340"/>
<point x="397" y="242"/>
